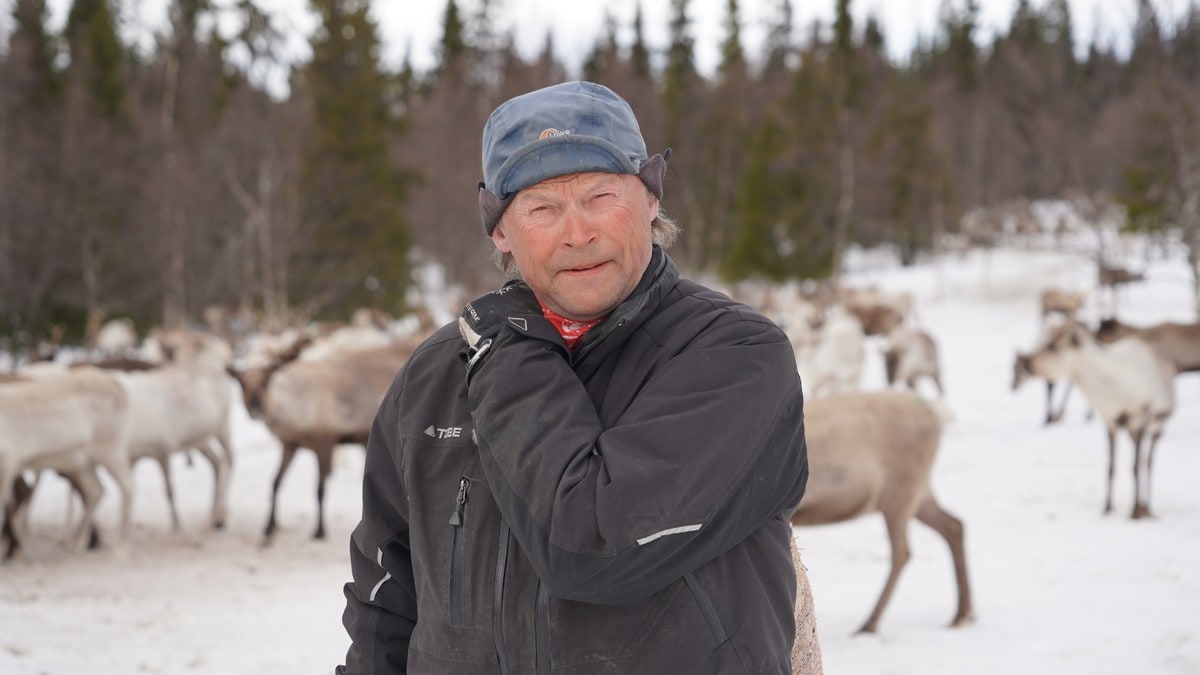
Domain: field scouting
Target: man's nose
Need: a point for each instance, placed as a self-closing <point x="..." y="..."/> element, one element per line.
<point x="579" y="228"/>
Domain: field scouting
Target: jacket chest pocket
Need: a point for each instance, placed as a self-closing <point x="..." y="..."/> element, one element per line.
<point x="469" y="507"/>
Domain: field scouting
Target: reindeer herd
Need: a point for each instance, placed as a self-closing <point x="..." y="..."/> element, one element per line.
<point x="870" y="451"/>
<point x="173" y="393"/>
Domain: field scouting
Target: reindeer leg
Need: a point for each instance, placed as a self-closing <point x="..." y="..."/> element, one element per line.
<point x="21" y="493"/>
<point x="897" y="528"/>
<point x="220" y="477"/>
<point x="1112" y="459"/>
<point x="1141" y="499"/>
<point x="289" y="452"/>
<point x="90" y="490"/>
<point x="1053" y="416"/>
<point x="1150" y="467"/>
<point x="225" y="457"/>
<point x="324" y="468"/>
<point x="951" y="529"/>
<point x="164" y="463"/>
<point x="120" y="472"/>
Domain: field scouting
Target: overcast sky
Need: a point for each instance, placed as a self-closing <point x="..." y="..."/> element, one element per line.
<point x="414" y="26"/>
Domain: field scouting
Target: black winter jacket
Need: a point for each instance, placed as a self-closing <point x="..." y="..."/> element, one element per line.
<point x="621" y="509"/>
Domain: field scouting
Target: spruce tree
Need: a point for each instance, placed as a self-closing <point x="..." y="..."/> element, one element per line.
<point x="97" y="152"/>
<point x="353" y="194"/>
<point x="639" y="54"/>
<point x="30" y="110"/>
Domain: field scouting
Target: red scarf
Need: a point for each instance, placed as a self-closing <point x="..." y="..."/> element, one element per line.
<point x="570" y="330"/>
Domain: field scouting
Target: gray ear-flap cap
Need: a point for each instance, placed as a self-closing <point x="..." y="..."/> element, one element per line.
<point x="653" y="171"/>
<point x="491" y="208"/>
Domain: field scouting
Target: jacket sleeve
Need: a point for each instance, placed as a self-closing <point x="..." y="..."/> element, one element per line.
<point x="381" y="603"/>
<point x="709" y="447"/>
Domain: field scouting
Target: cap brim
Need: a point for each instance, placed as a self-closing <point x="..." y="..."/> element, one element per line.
<point x="560" y="156"/>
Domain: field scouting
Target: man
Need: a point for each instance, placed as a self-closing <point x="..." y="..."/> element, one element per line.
<point x="594" y="471"/>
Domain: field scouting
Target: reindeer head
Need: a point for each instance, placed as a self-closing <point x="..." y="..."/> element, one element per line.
<point x="1055" y="356"/>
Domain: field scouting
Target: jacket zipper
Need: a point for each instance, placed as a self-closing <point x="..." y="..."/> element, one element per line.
<point x="457" y="563"/>
<point x="541" y="630"/>
<point x="498" y="600"/>
<point x="707" y="608"/>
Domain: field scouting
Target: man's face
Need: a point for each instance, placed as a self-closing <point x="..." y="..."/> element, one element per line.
<point x="581" y="241"/>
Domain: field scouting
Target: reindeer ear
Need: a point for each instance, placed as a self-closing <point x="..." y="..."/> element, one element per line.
<point x="1075" y="339"/>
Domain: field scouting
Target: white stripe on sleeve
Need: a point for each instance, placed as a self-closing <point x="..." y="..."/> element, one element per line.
<point x="673" y="530"/>
<point x="386" y="576"/>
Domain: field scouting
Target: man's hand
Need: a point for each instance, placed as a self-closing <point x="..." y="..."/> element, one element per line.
<point x="483" y="317"/>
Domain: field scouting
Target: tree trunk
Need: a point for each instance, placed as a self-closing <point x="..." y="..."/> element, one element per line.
<point x="845" y="205"/>
<point x="171" y="220"/>
<point x="274" y="302"/>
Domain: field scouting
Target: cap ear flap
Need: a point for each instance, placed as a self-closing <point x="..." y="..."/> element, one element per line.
<point x="653" y="171"/>
<point x="491" y="208"/>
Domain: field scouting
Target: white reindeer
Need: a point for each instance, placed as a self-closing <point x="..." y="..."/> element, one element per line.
<point x="1126" y="383"/>
<point x="910" y="355"/>
<point x="69" y="422"/>
<point x="177" y="408"/>
<point x="834" y="364"/>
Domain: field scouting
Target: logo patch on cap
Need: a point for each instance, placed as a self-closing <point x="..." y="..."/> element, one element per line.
<point x="551" y="133"/>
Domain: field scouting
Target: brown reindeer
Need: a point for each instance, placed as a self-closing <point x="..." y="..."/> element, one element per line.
<point x="1177" y="343"/>
<point x="320" y="404"/>
<point x="1113" y="277"/>
<point x="1059" y="302"/>
<point x="874" y="451"/>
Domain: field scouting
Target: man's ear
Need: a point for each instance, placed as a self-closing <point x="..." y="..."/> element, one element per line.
<point x="499" y="238"/>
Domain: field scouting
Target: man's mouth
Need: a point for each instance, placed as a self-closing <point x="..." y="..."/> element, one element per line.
<point x="584" y="268"/>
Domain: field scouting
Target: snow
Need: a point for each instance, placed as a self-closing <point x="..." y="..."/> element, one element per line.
<point x="1058" y="586"/>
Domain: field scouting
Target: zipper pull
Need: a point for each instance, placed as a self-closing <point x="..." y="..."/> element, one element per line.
<point x="459" y="501"/>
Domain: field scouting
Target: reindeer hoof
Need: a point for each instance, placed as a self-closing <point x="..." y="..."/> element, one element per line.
<point x="1140" y="511"/>
<point x="962" y="621"/>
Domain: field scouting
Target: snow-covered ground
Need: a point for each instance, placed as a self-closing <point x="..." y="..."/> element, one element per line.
<point x="1058" y="587"/>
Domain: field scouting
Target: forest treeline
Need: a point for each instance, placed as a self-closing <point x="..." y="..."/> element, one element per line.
<point x="160" y="183"/>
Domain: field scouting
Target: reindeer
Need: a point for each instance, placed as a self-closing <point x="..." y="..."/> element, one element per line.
<point x="1056" y="302"/>
<point x="1177" y="343"/>
<point x="1126" y="383"/>
<point x="911" y="354"/>
<point x="874" y="451"/>
<point x="1023" y="371"/>
<point x="319" y="404"/>
<point x="1113" y="277"/>
<point x="72" y="423"/>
